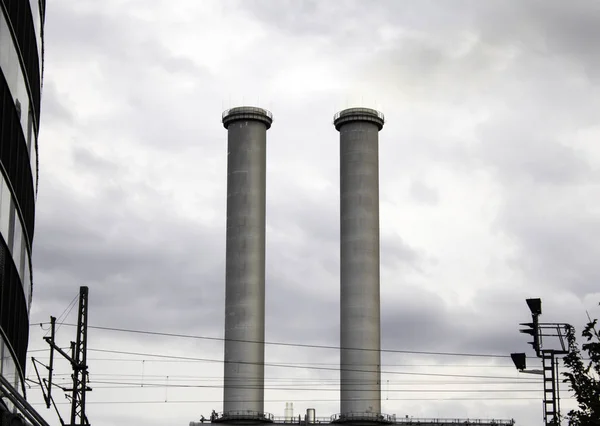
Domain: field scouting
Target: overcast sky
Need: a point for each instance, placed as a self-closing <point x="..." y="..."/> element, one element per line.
<point x="489" y="176"/>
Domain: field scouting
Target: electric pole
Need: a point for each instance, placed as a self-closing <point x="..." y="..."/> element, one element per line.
<point x="78" y="360"/>
<point x="79" y="357"/>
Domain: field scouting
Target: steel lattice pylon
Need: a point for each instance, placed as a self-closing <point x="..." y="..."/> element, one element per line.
<point x="78" y="360"/>
<point x="80" y="371"/>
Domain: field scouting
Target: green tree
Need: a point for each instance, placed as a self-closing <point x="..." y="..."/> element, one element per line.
<point x="583" y="375"/>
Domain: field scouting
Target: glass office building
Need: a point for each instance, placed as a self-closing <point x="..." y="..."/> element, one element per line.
<point x="21" y="65"/>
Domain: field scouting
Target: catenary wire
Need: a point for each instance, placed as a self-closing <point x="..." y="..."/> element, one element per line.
<point x="300" y="363"/>
<point x="134" y="378"/>
<point x="296" y="366"/>
<point x="297" y="383"/>
<point x="127" y="385"/>
<point x="297" y="379"/>
<point x="179" y="358"/>
<point x="478" y="381"/>
<point x="297" y="400"/>
<point x="313" y="389"/>
<point x="60" y="321"/>
<point x="300" y="345"/>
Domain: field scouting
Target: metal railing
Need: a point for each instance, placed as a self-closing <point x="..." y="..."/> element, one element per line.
<point x="247" y="110"/>
<point x="301" y="419"/>
<point x="359" y="111"/>
<point x="350" y="417"/>
<point x="436" y="421"/>
<point x="390" y="419"/>
<point x="369" y="417"/>
<point x="243" y="415"/>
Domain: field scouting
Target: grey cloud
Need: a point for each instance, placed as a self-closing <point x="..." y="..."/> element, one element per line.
<point x="55" y="106"/>
<point x="124" y="257"/>
<point x="550" y="230"/>
<point x="308" y="18"/>
<point x="311" y="223"/>
<point x="395" y="251"/>
<point x="551" y="27"/>
<point x="523" y="80"/>
<point x="316" y="213"/>
<point x="421" y="320"/>
<point x="518" y="152"/>
<point x="414" y="319"/>
<point x="99" y="32"/>
<point x="141" y="68"/>
<point x="545" y="182"/>
<point x="422" y="68"/>
<point x="294" y="313"/>
<point x="424" y="193"/>
<point x="86" y="158"/>
<point x="425" y="64"/>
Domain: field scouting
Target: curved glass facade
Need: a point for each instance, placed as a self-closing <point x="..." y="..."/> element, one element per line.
<point x="21" y="68"/>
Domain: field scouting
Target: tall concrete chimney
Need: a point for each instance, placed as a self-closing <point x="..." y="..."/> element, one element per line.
<point x="245" y="262"/>
<point x="360" y="338"/>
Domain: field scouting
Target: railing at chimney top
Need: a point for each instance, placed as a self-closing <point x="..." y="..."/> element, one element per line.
<point x="349" y="417"/>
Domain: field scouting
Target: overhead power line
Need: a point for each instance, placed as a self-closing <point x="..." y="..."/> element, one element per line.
<point x="138" y="381"/>
<point x="298" y="400"/>
<point x="293" y="381"/>
<point x="486" y="366"/>
<point x="302" y="380"/>
<point x="299" y="366"/>
<point x="297" y="345"/>
<point x="313" y="389"/>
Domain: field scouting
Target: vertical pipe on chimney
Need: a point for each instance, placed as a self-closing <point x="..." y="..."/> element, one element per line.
<point x="245" y="261"/>
<point x="360" y="391"/>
